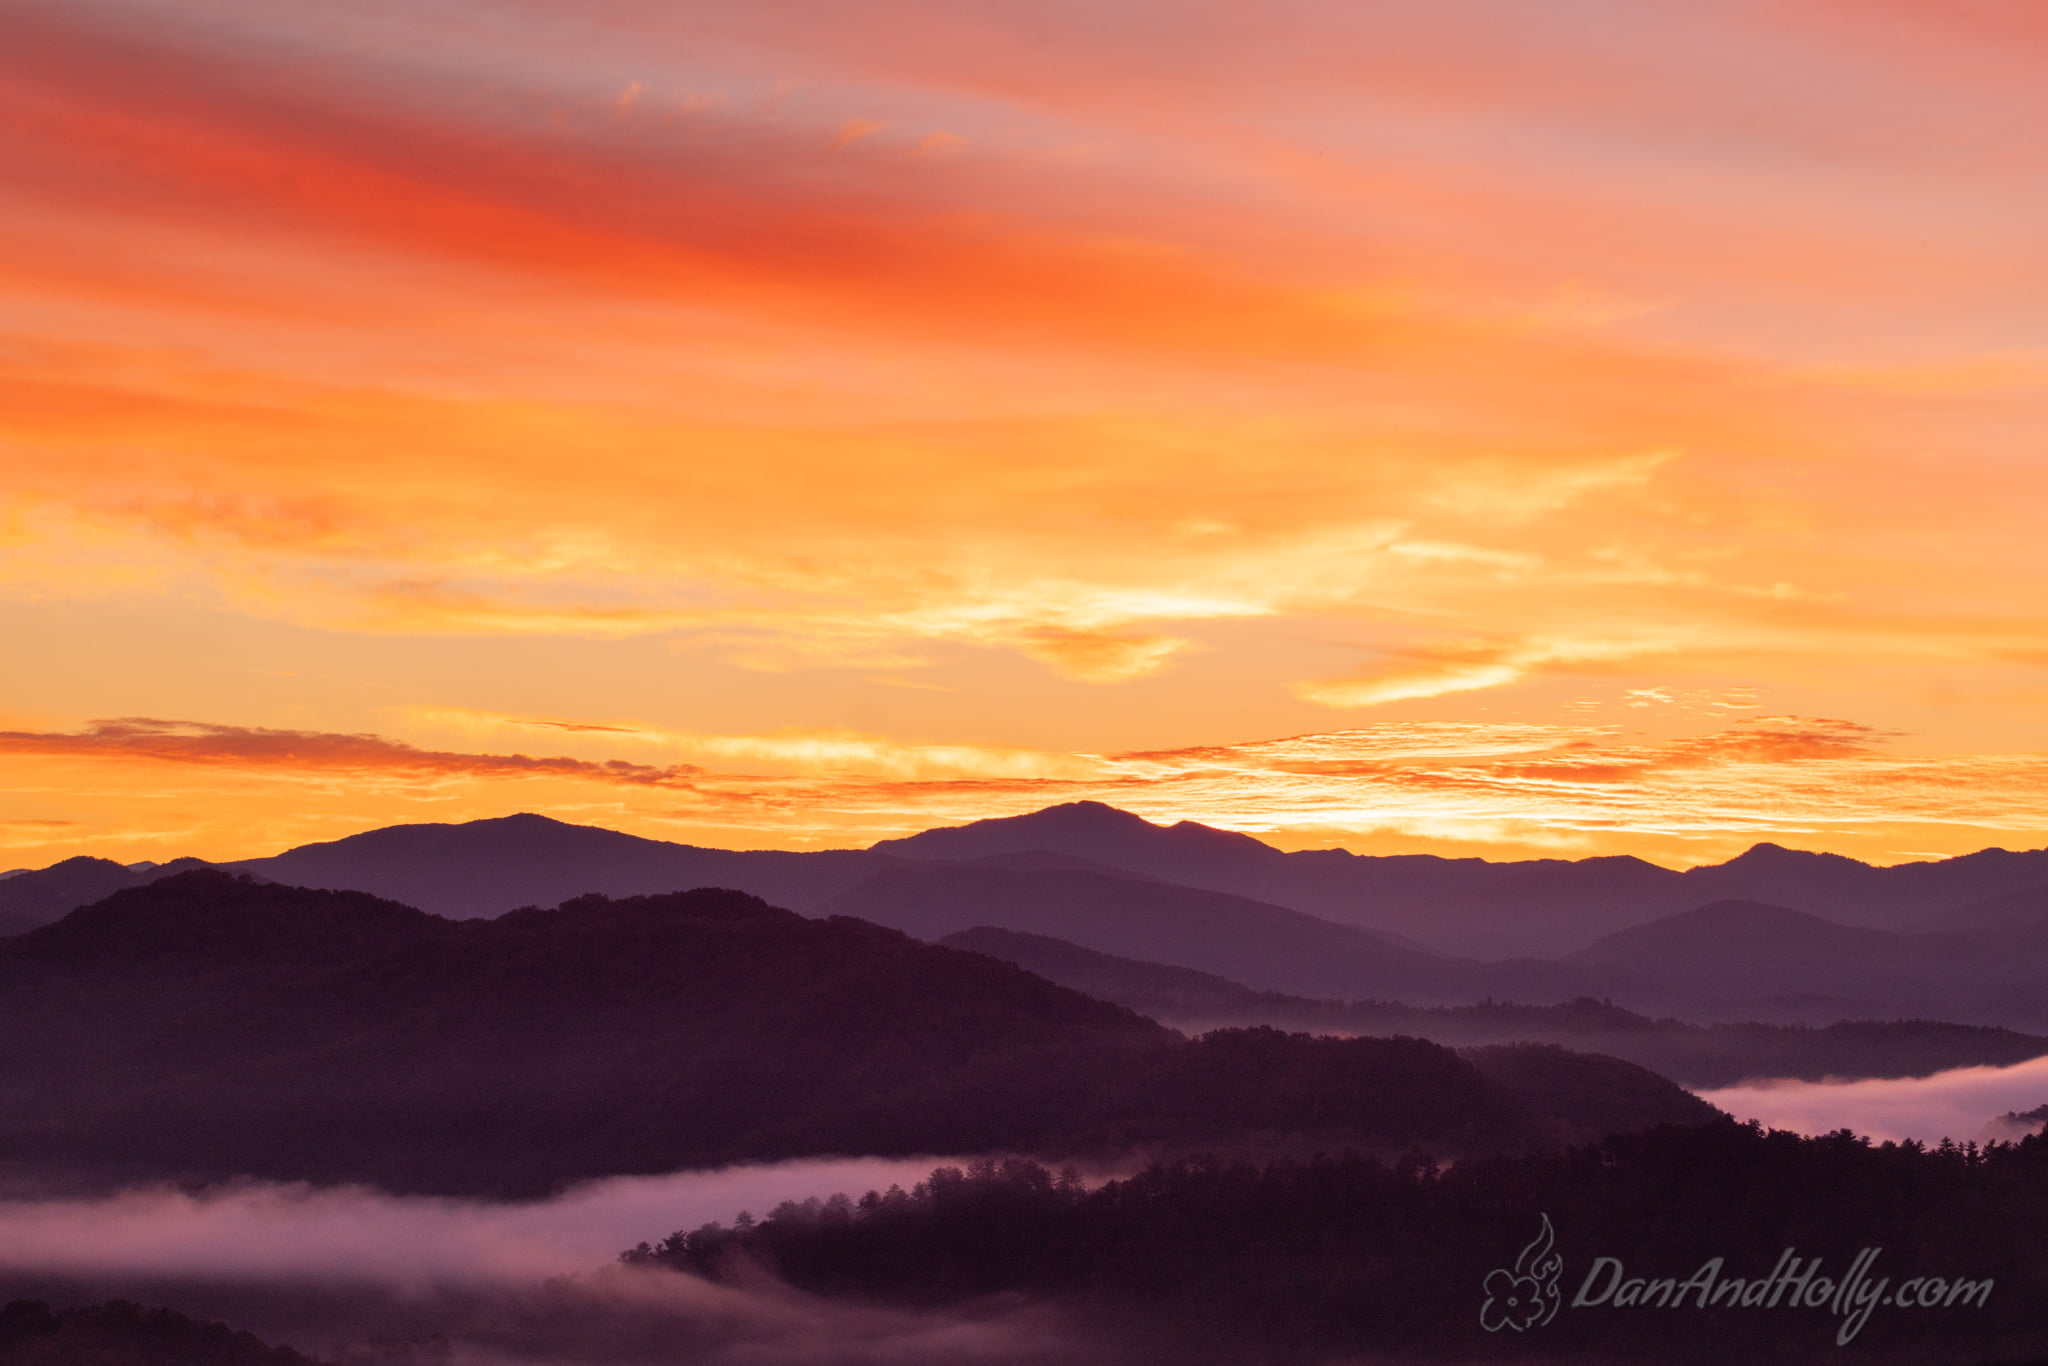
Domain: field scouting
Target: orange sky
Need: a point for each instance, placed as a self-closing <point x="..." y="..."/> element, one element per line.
<point x="1473" y="427"/>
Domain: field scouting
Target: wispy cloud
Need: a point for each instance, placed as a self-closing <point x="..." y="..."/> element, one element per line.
<point x="1100" y="380"/>
<point x="1504" y="789"/>
<point x="1432" y="671"/>
<point x="314" y="753"/>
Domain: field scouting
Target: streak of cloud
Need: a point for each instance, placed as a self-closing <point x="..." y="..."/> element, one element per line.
<point x="1500" y="789"/>
<point x="314" y="753"/>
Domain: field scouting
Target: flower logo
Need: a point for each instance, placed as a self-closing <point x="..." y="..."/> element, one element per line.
<point x="1524" y="1296"/>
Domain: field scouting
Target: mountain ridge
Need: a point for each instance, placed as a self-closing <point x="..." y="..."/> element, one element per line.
<point x="1463" y="908"/>
<point x="208" y="1026"/>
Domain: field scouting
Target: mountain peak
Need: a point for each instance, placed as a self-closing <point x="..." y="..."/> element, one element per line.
<point x="1095" y="831"/>
<point x="523" y="820"/>
<point x="1766" y="855"/>
<point x="1057" y="829"/>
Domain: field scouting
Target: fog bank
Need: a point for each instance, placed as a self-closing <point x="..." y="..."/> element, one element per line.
<point x="1962" y="1104"/>
<point x="356" y="1275"/>
<point x="271" y="1232"/>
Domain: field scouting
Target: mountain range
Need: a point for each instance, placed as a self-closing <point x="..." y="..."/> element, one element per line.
<point x="1774" y="935"/>
<point x="207" y="1025"/>
<point x="1694" y="1055"/>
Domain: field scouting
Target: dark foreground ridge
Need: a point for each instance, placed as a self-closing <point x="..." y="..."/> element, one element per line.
<point x="122" y="1334"/>
<point x="1312" y="1260"/>
<point x="206" y="1026"/>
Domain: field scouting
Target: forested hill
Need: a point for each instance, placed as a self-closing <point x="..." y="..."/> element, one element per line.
<point x="208" y="1026"/>
<point x="1345" y="1257"/>
<point x="123" y="1334"/>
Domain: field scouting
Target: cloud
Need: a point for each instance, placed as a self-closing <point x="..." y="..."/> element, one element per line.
<point x="803" y="751"/>
<point x="1494" y="788"/>
<point x="1183" y="354"/>
<point x="1432" y="671"/>
<point x="1499" y="491"/>
<point x="314" y="753"/>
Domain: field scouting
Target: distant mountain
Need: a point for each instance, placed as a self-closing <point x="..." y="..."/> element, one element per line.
<point x="1746" y="960"/>
<point x="1163" y="992"/>
<point x="1802" y="878"/>
<point x="1690" y="1054"/>
<point x="1528" y="920"/>
<point x="35" y="896"/>
<point x="1544" y="907"/>
<point x="1733" y="958"/>
<point x="1747" y="934"/>
<point x="487" y="867"/>
<point x="205" y="1026"/>
<point x="2008" y="910"/>
<point x="1093" y="830"/>
<point x="1266" y="946"/>
<point x="1473" y="907"/>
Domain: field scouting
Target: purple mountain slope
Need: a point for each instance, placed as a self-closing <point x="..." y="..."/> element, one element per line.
<point x="485" y="868"/>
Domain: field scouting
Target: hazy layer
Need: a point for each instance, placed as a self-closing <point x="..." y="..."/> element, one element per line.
<point x="1962" y="1104"/>
<point x="282" y="1232"/>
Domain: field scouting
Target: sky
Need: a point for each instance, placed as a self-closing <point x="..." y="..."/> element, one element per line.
<point x="1483" y="427"/>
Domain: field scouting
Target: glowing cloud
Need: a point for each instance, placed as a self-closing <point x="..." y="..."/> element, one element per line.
<point x="1434" y="670"/>
<point x="917" y="408"/>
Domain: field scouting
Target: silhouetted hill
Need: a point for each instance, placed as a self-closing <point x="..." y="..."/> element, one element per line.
<point x="122" y="1334"/>
<point x="2008" y="910"/>
<point x="1690" y="1054"/>
<point x="1601" y="1095"/>
<point x="1531" y="909"/>
<point x="206" y="1026"/>
<point x="487" y="867"/>
<point x="1541" y="908"/>
<point x="1095" y="831"/>
<point x="1264" y="945"/>
<point x="1468" y="907"/>
<point x="1154" y="989"/>
<point x="1473" y="907"/>
<point x="1042" y="860"/>
<point x="1900" y="897"/>
<point x="217" y="1026"/>
<point x="1746" y="932"/>
<point x="1737" y="952"/>
<point x="1320" y="923"/>
<point x="36" y="896"/>
<point x="1330" y="883"/>
<point x="1737" y="959"/>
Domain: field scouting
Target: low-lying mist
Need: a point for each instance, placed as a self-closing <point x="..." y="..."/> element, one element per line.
<point x="1966" y="1103"/>
<point x="355" y="1274"/>
<point x="286" y="1232"/>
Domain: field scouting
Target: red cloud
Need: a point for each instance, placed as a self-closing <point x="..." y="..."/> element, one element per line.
<point x="258" y="747"/>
